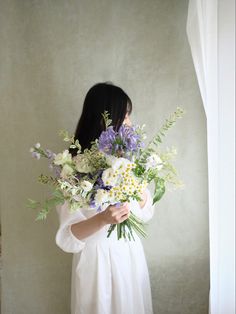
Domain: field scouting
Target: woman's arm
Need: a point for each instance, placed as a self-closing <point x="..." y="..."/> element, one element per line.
<point x="112" y="215"/>
<point x="87" y="227"/>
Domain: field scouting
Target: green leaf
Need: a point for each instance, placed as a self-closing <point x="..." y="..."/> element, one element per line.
<point x="58" y="194"/>
<point x="32" y="204"/>
<point x="107" y="121"/>
<point x="159" y="189"/>
<point x="42" y="215"/>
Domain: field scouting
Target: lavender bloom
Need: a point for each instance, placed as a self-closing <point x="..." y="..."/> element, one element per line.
<point x="100" y="185"/>
<point x="117" y="205"/>
<point x="92" y="203"/>
<point x="35" y="155"/>
<point x="50" y="154"/>
<point x="57" y="171"/>
<point x="129" y="138"/>
<point x="125" y="141"/>
<point x="99" y="209"/>
<point x="106" y="140"/>
<point x="100" y="182"/>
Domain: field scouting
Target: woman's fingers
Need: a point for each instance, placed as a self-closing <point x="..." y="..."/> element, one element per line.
<point x="123" y="218"/>
<point x="121" y="211"/>
<point x="122" y="214"/>
<point x="117" y="214"/>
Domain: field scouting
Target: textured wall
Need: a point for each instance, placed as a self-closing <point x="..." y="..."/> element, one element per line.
<point x="51" y="53"/>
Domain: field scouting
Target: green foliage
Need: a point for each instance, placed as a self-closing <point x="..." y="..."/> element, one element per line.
<point x="32" y="204"/>
<point x="58" y="194"/>
<point x="139" y="170"/>
<point x="159" y="189"/>
<point x="44" y="179"/>
<point x="45" y="207"/>
<point x="125" y="228"/>
<point x="92" y="160"/>
<point x="66" y="136"/>
<point x="154" y="143"/>
<point x="106" y="118"/>
<point x="70" y="138"/>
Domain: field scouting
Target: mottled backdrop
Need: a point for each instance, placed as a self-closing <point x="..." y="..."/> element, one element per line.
<point x="52" y="52"/>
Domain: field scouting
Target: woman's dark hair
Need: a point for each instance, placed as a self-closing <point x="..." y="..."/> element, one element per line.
<point x="101" y="97"/>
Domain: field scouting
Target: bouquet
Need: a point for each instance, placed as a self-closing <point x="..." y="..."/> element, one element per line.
<point x="116" y="169"/>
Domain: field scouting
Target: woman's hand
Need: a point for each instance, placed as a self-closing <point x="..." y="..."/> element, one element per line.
<point x="115" y="214"/>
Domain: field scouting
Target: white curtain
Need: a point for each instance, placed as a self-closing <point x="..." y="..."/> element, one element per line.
<point x="211" y="35"/>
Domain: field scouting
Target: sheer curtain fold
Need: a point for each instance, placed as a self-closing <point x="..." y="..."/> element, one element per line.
<point x="211" y="35"/>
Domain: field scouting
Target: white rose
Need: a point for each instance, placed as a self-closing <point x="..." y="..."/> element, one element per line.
<point x="62" y="158"/>
<point x="110" y="159"/>
<point x="81" y="164"/>
<point x="154" y="161"/>
<point x="86" y="185"/>
<point x="66" y="171"/>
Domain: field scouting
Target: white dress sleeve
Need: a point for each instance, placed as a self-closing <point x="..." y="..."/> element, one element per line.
<point x="146" y="212"/>
<point x="65" y="239"/>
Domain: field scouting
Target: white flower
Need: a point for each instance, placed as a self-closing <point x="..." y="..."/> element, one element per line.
<point x="66" y="171"/>
<point x="82" y="164"/>
<point x="37" y="145"/>
<point x="117" y="162"/>
<point x="74" y="191"/>
<point x="121" y="164"/>
<point x="86" y="185"/>
<point x="101" y="197"/>
<point x="37" y="155"/>
<point x="62" y="158"/>
<point x="77" y="197"/>
<point x="154" y="161"/>
<point x="110" y="159"/>
<point x="64" y="185"/>
<point x="109" y="177"/>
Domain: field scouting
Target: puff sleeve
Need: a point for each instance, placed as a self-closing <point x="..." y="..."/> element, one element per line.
<point x="146" y="212"/>
<point x="65" y="239"/>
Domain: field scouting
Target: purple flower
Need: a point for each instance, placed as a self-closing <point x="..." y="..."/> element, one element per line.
<point x="99" y="209"/>
<point x="35" y="155"/>
<point x="106" y="140"/>
<point x="57" y="171"/>
<point x="130" y="139"/>
<point x="123" y="142"/>
<point x="117" y="205"/>
<point x="100" y="182"/>
<point x="92" y="203"/>
<point x="100" y="185"/>
<point x="50" y="154"/>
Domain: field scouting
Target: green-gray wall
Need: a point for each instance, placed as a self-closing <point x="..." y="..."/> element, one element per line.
<point x="52" y="52"/>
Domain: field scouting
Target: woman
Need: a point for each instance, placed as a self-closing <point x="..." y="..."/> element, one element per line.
<point x="109" y="276"/>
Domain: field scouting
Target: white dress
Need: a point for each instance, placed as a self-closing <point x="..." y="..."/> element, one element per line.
<point x="109" y="276"/>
